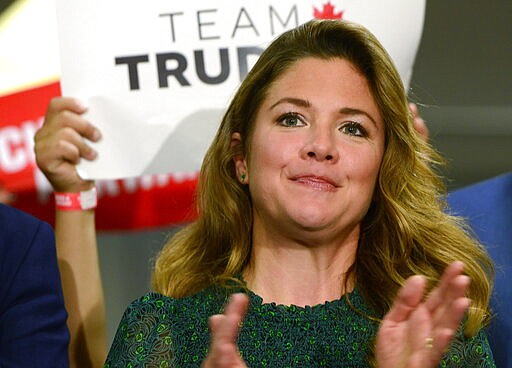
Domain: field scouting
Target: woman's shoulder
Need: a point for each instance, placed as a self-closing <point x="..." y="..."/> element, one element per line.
<point x="204" y="302"/>
<point x="471" y="351"/>
<point x="151" y="300"/>
<point x="147" y="310"/>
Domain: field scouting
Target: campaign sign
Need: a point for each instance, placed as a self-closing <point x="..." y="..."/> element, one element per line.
<point x="158" y="75"/>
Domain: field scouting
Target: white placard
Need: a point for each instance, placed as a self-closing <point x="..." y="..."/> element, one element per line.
<point x="157" y="75"/>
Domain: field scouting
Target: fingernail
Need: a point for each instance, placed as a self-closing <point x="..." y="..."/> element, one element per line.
<point x="82" y="104"/>
<point x="96" y="135"/>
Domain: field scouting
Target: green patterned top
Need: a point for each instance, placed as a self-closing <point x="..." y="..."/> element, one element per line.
<point x="158" y="331"/>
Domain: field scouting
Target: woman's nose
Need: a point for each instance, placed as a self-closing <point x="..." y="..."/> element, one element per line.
<point x="321" y="145"/>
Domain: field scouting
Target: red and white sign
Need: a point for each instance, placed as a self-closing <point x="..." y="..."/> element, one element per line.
<point x="133" y="203"/>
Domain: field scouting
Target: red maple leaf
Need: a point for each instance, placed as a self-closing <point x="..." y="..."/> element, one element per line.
<point x="327" y="12"/>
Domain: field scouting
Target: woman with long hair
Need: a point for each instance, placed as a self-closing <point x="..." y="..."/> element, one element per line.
<point x="319" y="207"/>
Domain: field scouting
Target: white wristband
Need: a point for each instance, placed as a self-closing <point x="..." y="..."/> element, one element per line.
<point x="76" y="201"/>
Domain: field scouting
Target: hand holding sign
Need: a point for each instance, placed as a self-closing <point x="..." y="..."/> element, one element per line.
<point x="60" y="144"/>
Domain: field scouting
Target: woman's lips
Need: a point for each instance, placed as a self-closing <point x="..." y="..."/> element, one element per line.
<point x="316" y="182"/>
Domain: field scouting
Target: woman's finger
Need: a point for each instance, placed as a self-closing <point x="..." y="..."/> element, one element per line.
<point x="59" y="104"/>
<point x="442" y="290"/>
<point x="224" y="329"/>
<point x="408" y="298"/>
<point x="68" y="119"/>
<point x="234" y="313"/>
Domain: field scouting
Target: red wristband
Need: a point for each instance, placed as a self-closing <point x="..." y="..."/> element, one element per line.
<point x="76" y="201"/>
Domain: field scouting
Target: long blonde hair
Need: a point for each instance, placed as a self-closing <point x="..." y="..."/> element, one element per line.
<point x="407" y="229"/>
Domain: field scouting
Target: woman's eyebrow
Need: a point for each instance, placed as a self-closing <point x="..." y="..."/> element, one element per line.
<point x="355" y="111"/>
<point x="292" y="100"/>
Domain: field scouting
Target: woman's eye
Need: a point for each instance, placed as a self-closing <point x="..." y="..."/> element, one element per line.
<point x="291" y="120"/>
<point x="353" y="128"/>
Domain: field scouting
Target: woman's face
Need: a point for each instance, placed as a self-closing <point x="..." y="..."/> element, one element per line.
<point x="316" y="150"/>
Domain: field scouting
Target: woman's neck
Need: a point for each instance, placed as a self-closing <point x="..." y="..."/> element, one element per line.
<point x="287" y="272"/>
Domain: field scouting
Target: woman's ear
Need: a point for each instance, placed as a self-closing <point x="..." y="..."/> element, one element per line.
<point x="238" y="158"/>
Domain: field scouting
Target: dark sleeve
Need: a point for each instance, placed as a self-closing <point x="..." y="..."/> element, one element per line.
<point x="473" y="352"/>
<point x="143" y="336"/>
<point x="33" y="330"/>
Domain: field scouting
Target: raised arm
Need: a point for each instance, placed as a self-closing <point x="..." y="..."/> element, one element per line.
<point x="59" y="146"/>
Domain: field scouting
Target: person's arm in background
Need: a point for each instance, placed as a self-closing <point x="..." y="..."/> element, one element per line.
<point x="59" y="146"/>
<point x="419" y="123"/>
